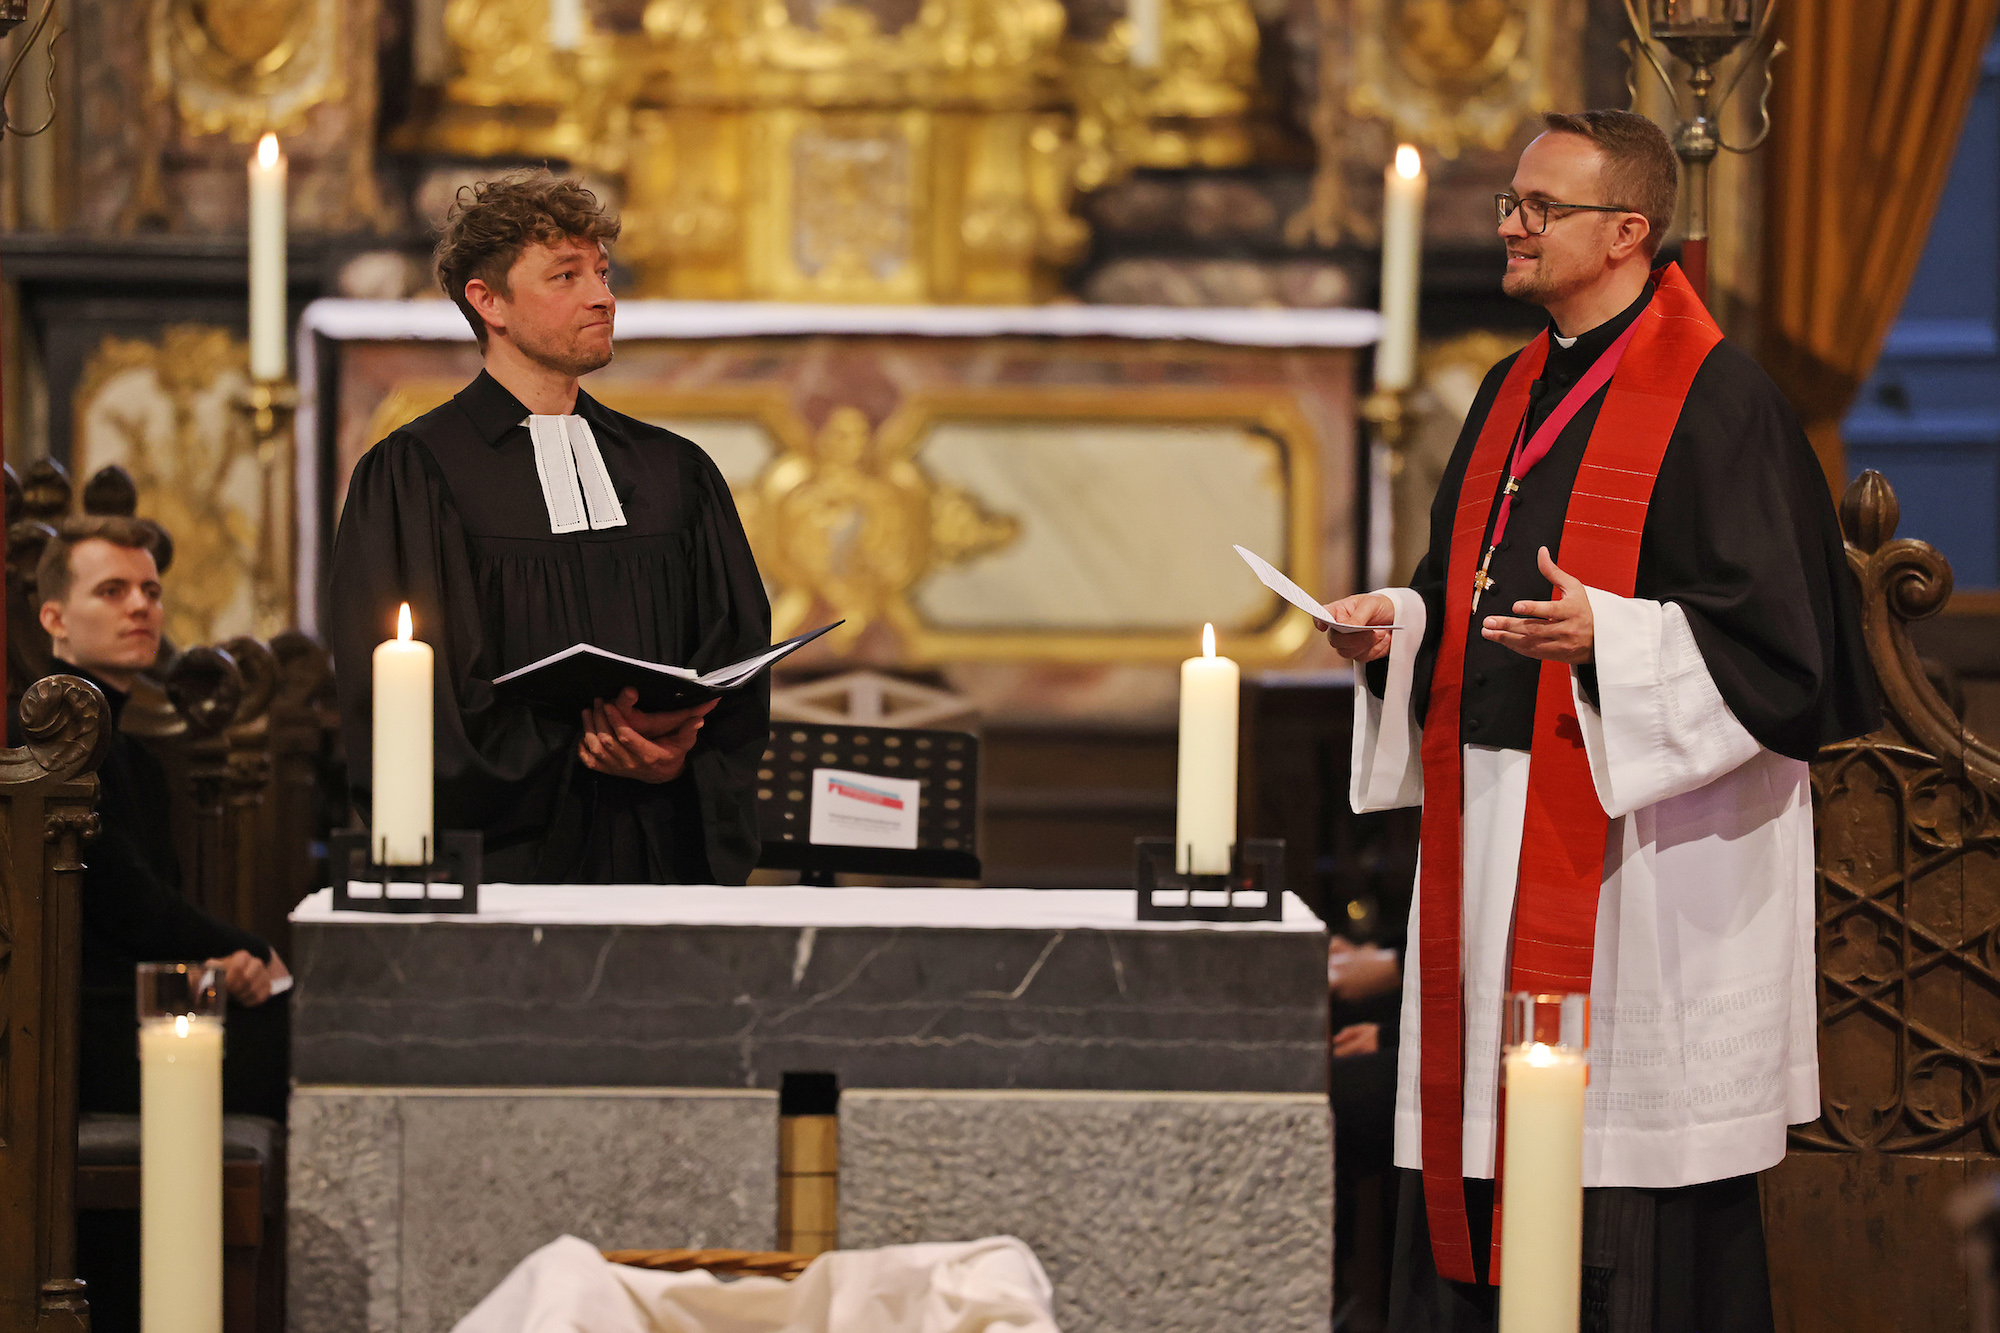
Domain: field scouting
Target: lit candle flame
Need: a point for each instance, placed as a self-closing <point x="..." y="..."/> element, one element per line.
<point x="180" y="1025"/>
<point x="1208" y="640"/>
<point x="1409" y="165"/>
<point x="267" y="151"/>
<point x="403" y="623"/>
<point x="1540" y="1054"/>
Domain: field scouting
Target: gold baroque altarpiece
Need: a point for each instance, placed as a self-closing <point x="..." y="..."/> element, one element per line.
<point x="762" y="158"/>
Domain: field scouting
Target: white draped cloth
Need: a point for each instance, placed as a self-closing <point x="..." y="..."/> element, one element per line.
<point x="1703" y="1038"/>
<point x="985" y="1286"/>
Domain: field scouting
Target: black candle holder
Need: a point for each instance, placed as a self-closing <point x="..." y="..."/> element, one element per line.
<point x="1253" y="890"/>
<point x="455" y="860"/>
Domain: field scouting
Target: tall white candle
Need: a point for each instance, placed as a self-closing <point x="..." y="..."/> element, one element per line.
<point x="400" y="823"/>
<point x="180" y="1175"/>
<point x="1541" y="1191"/>
<point x="565" y="24"/>
<point x="1403" y="188"/>
<point x="267" y="261"/>
<point x="1205" y="809"/>
<point x="1146" y="19"/>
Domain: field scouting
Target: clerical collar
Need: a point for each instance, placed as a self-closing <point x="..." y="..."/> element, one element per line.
<point x="1572" y="358"/>
<point x="494" y="411"/>
<point x="576" y="488"/>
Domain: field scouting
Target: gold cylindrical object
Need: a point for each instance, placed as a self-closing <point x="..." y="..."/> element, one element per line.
<point x="808" y="1183"/>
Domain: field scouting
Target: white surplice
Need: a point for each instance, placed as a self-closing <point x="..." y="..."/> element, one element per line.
<point x="1702" y="1044"/>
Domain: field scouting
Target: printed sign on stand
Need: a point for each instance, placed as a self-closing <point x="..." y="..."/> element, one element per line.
<point x="863" y="810"/>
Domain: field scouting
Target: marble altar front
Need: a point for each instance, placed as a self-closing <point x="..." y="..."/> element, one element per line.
<point x="1143" y="1103"/>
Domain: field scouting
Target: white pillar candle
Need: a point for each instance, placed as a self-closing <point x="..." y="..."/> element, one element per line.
<point x="180" y="1175"/>
<point x="1146" y="19"/>
<point x="1205" y="810"/>
<point x="1403" y="188"/>
<point x="1541" y="1190"/>
<point x="267" y="261"/>
<point x="565" y="24"/>
<point x="400" y="822"/>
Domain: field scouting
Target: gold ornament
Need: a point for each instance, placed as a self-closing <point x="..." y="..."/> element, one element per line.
<point x="1452" y="73"/>
<point x="764" y="159"/>
<point x="856" y="526"/>
<point x="242" y="67"/>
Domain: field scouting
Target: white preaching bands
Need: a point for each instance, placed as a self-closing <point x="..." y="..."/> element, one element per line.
<point x="575" y="485"/>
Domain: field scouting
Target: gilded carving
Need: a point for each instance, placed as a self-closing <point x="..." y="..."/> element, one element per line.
<point x="241" y="67"/>
<point x="855" y="525"/>
<point x="166" y="412"/>
<point x="852" y="206"/>
<point x="1456" y="73"/>
<point x="765" y="158"/>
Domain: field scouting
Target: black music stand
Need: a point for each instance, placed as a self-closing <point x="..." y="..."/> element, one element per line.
<point x="945" y="762"/>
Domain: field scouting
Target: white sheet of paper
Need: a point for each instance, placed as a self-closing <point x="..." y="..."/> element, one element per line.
<point x="1274" y="579"/>
<point x="863" y="810"/>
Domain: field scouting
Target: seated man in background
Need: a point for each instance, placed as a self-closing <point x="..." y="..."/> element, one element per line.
<point x="100" y="603"/>
<point x="1364" y="990"/>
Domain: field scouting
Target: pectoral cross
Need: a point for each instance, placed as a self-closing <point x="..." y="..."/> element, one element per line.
<point x="1482" y="580"/>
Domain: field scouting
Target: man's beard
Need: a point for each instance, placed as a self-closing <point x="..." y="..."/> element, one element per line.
<point x="565" y="358"/>
<point x="1536" y="286"/>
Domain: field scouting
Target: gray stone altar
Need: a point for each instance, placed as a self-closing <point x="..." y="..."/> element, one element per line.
<point x="1143" y="1103"/>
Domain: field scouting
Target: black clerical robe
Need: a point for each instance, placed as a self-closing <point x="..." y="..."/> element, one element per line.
<point x="448" y="515"/>
<point x="1741" y="534"/>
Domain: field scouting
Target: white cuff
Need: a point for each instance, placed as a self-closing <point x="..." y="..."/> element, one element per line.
<point x="1388" y="768"/>
<point x="1660" y="727"/>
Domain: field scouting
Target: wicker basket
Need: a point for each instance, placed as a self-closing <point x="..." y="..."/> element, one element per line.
<point x="723" y="1263"/>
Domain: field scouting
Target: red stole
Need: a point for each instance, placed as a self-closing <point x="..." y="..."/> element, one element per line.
<point x="1562" y="846"/>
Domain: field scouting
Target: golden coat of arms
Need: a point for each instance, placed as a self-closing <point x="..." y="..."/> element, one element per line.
<point x="1453" y="73"/>
<point x="242" y="67"/>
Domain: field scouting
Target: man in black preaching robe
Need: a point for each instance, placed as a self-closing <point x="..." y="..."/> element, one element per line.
<point x="523" y="517"/>
<point x="1697" y="692"/>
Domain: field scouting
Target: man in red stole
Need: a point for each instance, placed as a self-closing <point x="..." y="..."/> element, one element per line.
<point x="1632" y="631"/>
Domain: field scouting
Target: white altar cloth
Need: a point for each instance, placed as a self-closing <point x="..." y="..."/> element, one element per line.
<point x="345" y="320"/>
<point x="789" y="906"/>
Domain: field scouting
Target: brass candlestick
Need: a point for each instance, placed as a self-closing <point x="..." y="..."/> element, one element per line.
<point x="1388" y="411"/>
<point x="269" y="408"/>
<point x="1701" y="34"/>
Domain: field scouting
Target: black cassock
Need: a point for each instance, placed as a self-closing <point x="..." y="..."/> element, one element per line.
<point x="1742" y="535"/>
<point x="448" y="514"/>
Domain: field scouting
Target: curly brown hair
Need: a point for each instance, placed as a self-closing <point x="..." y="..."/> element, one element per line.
<point x="491" y="222"/>
<point x="1640" y="172"/>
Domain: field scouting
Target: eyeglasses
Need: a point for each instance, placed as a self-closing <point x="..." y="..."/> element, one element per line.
<point x="1535" y="212"/>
